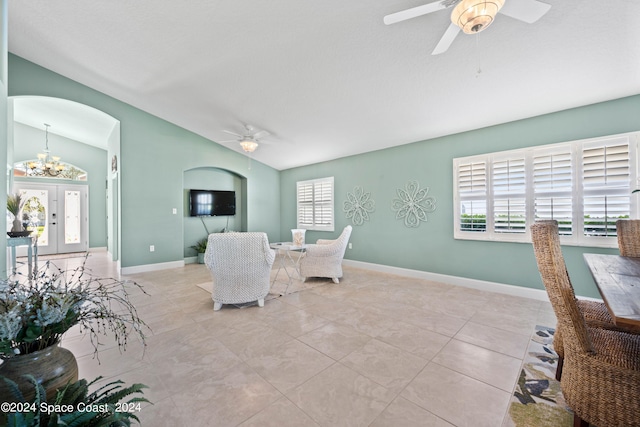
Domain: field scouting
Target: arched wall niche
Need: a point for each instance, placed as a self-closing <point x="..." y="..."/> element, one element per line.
<point x="83" y="136"/>
<point x="212" y="178"/>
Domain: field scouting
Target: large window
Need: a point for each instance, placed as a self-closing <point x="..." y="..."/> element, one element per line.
<point x="315" y="204"/>
<point x="585" y="185"/>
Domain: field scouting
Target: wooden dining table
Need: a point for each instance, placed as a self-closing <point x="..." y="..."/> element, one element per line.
<point x="618" y="280"/>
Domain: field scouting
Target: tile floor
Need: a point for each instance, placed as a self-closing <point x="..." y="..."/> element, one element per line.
<point x="375" y="350"/>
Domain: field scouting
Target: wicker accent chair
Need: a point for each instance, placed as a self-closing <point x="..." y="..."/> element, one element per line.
<point x="240" y="265"/>
<point x="601" y="375"/>
<point x="628" y="231"/>
<point x="324" y="259"/>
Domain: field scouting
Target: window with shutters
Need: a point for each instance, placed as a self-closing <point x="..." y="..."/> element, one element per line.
<point x="508" y="184"/>
<point x="606" y="186"/>
<point x="585" y="185"/>
<point x="552" y="186"/>
<point x="315" y="204"/>
<point x="472" y="190"/>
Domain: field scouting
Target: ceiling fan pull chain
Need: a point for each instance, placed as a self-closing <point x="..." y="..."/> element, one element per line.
<point x="478" y="51"/>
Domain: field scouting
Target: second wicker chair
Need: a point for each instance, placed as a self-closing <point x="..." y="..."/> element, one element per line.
<point x="324" y="258"/>
<point x="628" y="231"/>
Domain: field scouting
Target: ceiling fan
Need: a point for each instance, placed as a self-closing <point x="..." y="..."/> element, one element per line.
<point x="248" y="140"/>
<point x="472" y="16"/>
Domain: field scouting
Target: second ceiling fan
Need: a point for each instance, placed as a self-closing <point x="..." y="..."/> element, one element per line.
<point x="249" y="139"/>
<point x="472" y="16"/>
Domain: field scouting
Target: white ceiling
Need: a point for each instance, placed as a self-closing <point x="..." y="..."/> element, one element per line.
<point x="66" y="118"/>
<point x="327" y="78"/>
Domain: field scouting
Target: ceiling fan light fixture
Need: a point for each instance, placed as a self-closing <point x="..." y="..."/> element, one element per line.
<point x="473" y="16"/>
<point x="248" y="145"/>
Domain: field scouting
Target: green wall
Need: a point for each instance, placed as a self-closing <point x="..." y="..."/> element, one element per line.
<point x="28" y="141"/>
<point x="3" y="120"/>
<point x="153" y="157"/>
<point x="431" y="247"/>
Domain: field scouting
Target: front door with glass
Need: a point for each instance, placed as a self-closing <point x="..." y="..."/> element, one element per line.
<point x="59" y="215"/>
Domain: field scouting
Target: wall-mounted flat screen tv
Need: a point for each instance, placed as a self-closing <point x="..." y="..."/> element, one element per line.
<point x="212" y="203"/>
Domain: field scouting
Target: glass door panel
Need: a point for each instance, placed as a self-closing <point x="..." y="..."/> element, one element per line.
<point x="36" y="212"/>
<point x="72" y="219"/>
<point x="72" y="214"/>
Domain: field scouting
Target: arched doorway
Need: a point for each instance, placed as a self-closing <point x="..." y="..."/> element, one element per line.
<point x="82" y="136"/>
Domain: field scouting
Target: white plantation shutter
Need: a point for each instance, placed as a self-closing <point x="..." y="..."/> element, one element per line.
<point x="553" y="187"/>
<point x="472" y="189"/>
<point x="315" y="204"/>
<point x="323" y="197"/>
<point x="509" y="195"/>
<point x="585" y="185"/>
<point x="606" y="186"/>
<point x="305" y="205"/>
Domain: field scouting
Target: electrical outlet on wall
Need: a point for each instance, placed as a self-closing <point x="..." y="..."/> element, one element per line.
<point x="152" y="248"/>
<point x="350" y="245"/>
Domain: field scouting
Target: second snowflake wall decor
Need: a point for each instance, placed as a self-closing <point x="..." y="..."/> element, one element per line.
<point x="413" y="204"/>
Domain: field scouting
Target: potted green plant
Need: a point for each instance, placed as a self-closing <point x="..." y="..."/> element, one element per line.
<point x="14" y="205"/>
<point x="74" y="405"/>
<point x="201" y="248"/>
<point x="35" y="312"/>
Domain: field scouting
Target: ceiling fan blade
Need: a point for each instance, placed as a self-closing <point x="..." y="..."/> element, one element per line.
<point x="414" y="12"/>
<point x="261" y="134"/>
<point x="228" y="141"/>
<point x="446" y="40"/>
<point x="232" y="133"/>
<point x="528" y="11"/>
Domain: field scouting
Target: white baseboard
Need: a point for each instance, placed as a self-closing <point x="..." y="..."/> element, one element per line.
<point x="98" y="249"/>
<point x="151" y="267"/>
<point x="519" y="291"/>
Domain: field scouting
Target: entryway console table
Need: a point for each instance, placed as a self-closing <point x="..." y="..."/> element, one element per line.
<point x="32" y="251"/>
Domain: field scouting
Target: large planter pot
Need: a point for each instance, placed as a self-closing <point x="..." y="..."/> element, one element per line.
<point x="200" y="258"/>
<point x="53" y="367"/>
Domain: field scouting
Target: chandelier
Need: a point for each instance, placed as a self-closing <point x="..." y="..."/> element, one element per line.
<point x="46" y="165"/>
<point x="473" y="16"/>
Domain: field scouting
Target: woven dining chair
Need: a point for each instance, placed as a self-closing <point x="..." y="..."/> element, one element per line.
<point x="596" y="315"/>
<point x="601" y="375"/>
<point x="628" y="231"/>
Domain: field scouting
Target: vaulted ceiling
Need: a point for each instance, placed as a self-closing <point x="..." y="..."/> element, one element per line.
<point x="328" y="78"/>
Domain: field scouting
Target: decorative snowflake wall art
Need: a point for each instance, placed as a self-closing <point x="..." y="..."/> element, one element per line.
<point x="413" y="204"/>
<point x="358" y="206"/>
